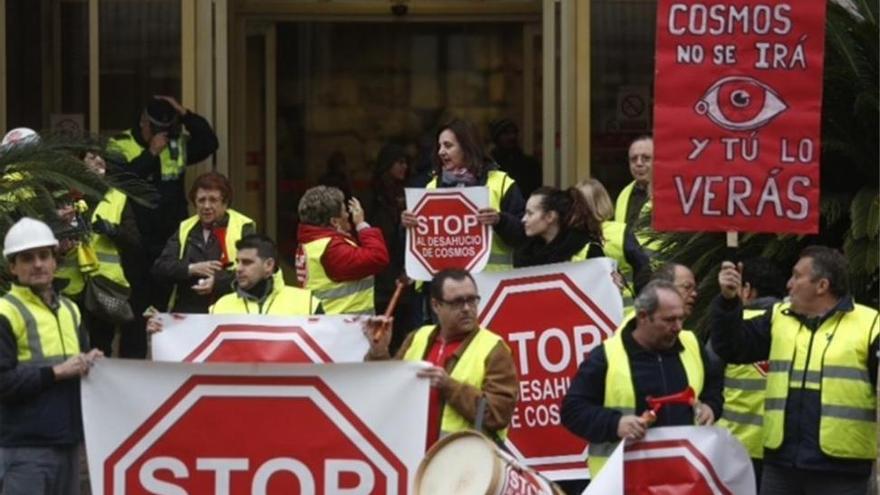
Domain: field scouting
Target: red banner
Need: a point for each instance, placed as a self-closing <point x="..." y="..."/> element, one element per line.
<point x="738" y="95"/>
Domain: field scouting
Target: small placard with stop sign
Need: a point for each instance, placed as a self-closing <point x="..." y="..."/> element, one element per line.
<point x="448" y="233"/>
<point x="184" y="428"/>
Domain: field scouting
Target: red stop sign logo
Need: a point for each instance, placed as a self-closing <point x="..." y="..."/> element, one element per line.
<point x="258" y="344"/>
<point x="677" y="465"/>
<point x="550" y="326"/>
<point x="258" y="435"/>
<point x="448" y="234"/>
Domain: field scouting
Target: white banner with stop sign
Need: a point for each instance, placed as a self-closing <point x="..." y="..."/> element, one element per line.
<point x="551" y="316"/>
<point x="678" y="460"/>
<point x="184" y="428"/>
<point x="260" y="338"/>
<point x="448" y="234"/>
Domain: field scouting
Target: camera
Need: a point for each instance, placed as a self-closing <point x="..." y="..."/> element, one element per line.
<point x="399" y="9"/>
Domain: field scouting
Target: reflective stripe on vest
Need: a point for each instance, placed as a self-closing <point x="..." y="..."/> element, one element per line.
<point x="620" y="389"/>
<point x="110" y="209"/>
<point x="42" y="339"/>
<point x="131" y="149"/>
<point x="470" y="369"/>
<point x="234" y="227"/>
<point x="498" y="183"/>
<point x="743" y="413"/>
<point x="614" y="233"/>
<point x="289" y="301"/>
<point x="838" y="362"/>
<point x="355" y="297"/>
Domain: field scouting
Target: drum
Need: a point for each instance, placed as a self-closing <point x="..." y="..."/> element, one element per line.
<point x="468" y="463"/>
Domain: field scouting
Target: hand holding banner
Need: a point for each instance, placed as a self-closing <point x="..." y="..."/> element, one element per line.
<point x="448" y="234"/>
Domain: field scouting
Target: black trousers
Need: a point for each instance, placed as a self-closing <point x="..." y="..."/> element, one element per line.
<point x="777" y="480"/>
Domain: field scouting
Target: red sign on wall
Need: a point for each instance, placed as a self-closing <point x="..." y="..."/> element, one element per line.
<point x="738" y="94"/>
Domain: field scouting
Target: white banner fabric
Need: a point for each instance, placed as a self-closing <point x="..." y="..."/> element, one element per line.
<point x="260" y="338"/>
<point x="178" y="428"/>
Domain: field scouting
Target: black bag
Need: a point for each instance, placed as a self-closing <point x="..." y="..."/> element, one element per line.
<point x="108" y="300"/>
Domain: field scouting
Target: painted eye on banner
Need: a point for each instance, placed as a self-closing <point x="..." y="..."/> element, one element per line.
<point x="739" y="103"/>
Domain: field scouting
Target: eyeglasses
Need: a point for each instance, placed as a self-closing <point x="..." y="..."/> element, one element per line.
<point x="460" y="302"/>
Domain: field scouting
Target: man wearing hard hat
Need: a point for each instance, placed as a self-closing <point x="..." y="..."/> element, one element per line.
<point x="41" y="361"/>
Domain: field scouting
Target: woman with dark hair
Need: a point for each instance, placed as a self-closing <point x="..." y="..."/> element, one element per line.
<point x="559" y="227"/>
<point x="461" y="161"/>
<point x="387" y="203"/>
<point x="199" y="259"/>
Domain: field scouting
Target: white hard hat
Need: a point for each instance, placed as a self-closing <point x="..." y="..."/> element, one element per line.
<point x="20" y="135"/>
<point x="28" y="233"/>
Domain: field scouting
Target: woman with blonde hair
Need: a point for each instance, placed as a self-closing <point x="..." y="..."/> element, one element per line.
<point x="620" y="243"/>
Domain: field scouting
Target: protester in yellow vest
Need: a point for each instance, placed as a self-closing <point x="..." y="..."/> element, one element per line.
<point x="763" y="285"/>
<point x="820" y="430"/>
<point x="559" y="227"/>
<point x="164" y="139"/>
<point x="461" y="161"/>
<point x="115" y="240"/>
<point x="43" y="353"/>
<point x="470" y="365"/>
<point x="259" y="287"/>
<point x="650" y="355"/>
<point x="336" y="264"/>
<point x="200" y="258"/>
<point x="635" y="198"/>
<point x="619" y="242"/>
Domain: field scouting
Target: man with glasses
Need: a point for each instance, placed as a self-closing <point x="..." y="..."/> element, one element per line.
<point x="473" y="373"/>
<point x="636" y="196"/>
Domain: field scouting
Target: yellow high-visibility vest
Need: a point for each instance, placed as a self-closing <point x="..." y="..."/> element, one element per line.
<point x="743" y="413"/>
<point x="352" y="297"/>
<point x="284" y="300"/>
<point x="620" y="390"/>
<point x="234" y="229"/>
<point x="470" y="369"/>
<point x="170" y="169"/>
<point x="837" y="368"/>
<point x="43" y="337"/>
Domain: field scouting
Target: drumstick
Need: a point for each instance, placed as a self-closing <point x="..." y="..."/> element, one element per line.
<point x="392" y="305"/>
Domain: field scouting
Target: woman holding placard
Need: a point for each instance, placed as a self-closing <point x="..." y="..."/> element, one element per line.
<point x="461" y="161"/>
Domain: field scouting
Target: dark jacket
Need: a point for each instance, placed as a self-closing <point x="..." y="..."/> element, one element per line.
<point x="171" y="268"/>
<point x="509" y="227"/>
<point x="654" y="373"/>
<point x="157" y="224"/>
<point x="536" y="251"/>
<point x="746" y="341"/>
<point x="35" y="410"/>
<point x="525" y="169"/>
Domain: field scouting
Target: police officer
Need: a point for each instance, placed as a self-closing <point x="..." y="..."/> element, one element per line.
<point x="165" y="138"/>
<point x="42" y="356"/>
<point x="819" y="412"/>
